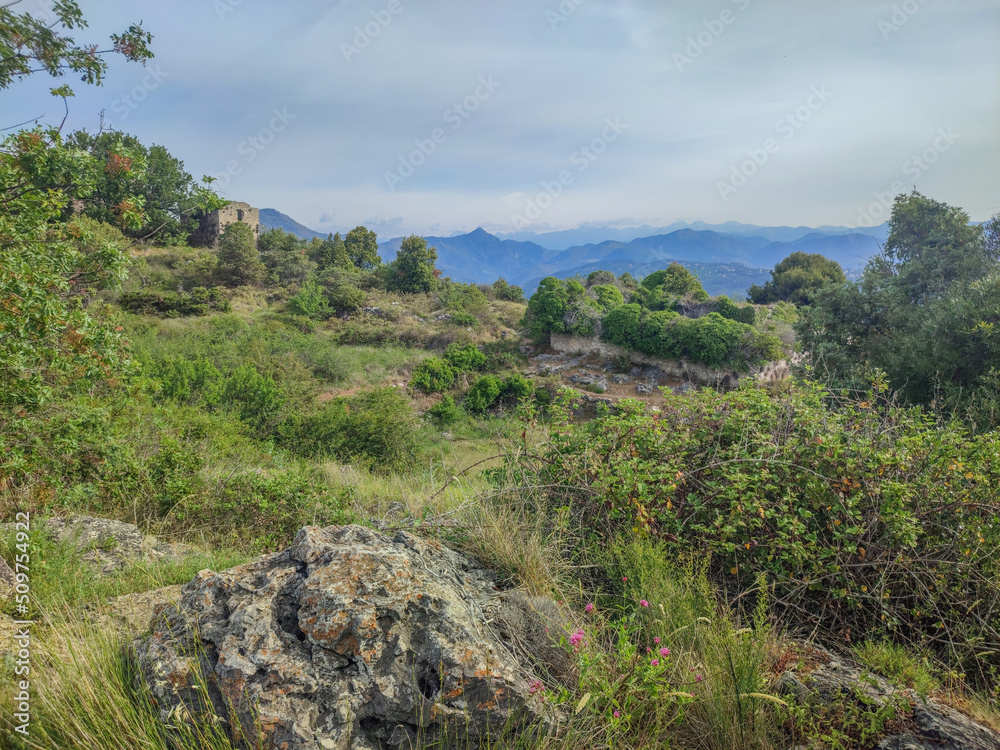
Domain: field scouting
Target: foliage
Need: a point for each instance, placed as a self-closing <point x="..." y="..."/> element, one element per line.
<point x="608" y="296"/>
<point x="433" y="375"/>
<point x="342" y="290"/>
<point x="547" y="307"/>
<point x="27" y="42"/>
<point x="331" y="253"/>
<point x="797" y="278"/>
<point x="895" y="662"/>
<point x="483" y="394"/>
<point x="361" y="245"/>
<point x="253" y="397"/>
<point x="463" y="320"/>
<point x="310" y="302"/>
<point x="675" y="280"/>
<point x="51" y="340"/>
<point x="169" y="196"/>
<point x="445" y="413"/>
<point x="375" y="429"/>
<point x="728" y="309"/>
<point x="464" y="358"/>
<point x="200" y="301"/>
<point x="925" y="312"/>
<point x="507" y="292"/>
<point x="239" y="259"/>
<point x="285" y="256"/>
<point x="866" y="516"/>
<point x="413" y="269"/>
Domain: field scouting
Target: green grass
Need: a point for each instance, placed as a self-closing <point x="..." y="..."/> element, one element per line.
<point x="898" y="664"/>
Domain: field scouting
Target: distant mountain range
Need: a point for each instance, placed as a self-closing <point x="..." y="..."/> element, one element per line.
<point x="728" y="258"/>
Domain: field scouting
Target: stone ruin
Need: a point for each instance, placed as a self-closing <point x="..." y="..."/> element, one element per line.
<point x="213" y="224"/>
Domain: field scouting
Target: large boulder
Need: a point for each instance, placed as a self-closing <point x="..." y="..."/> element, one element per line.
<point x="353" y="640"/>
<point x="112" y="545"/>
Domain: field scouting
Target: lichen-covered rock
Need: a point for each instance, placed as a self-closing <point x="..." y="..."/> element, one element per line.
<point x="349" y="640"/>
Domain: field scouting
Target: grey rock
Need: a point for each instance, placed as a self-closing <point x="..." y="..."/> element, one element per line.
<point x="620" y="379"/>
<point x="940" y="727"/>
<point x="111" y="545"/>
<point x="589" y="379"/>
<point x="352" y="640"/>
<point x="645" y="389"/>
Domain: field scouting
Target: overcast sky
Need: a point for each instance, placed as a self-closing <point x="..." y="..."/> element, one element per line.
<point x="436" y="116"/>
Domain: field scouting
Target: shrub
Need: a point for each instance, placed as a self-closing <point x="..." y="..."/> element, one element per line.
<point x="376" y="429"/>
<point x="608" y="296"/>
<point x="253" y="397"/>
<point x="507" y="292"/>
<point x="463" y="319"/>
<point x="515" y="388"/>
<point x="199" y="302"/>
<point x="730" y="310"/>
<point x="866" y="516"/>
<point x="239" y="260"/>
<point x="445" y="413"/>
<point x="310" y="302"/>
<point x="464" y="358"/>
<point x="483" y="394"/>
<point x="547" y="307"/>
<point x="621" y="326"/>
<point x="433" y="375"/>
<point x="582" y="318"/>
<point x="463" y="298"/>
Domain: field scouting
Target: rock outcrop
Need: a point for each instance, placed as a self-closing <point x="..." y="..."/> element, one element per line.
<point x="353" y="640"/>
<point x="932" y="725"/>
<point x="111" y="545"/>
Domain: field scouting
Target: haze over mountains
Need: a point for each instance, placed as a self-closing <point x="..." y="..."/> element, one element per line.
<point x="728" y="258"/>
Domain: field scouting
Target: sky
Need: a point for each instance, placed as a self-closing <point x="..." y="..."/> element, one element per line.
<point x="440" y="116"/>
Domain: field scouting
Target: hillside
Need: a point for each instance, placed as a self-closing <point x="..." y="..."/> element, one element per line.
<point x="273" y="219"/>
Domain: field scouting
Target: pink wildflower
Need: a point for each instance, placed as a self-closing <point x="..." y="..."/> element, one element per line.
<point x="664" y="652"/>
<point x="655" y="662"/>
<point x="535" y="687"/>
<point x="624" y="579"/>
<point x="589" y="608"/>
<point x="643" y="603"/>
<point x="657" y="640"/>
<point x="576" y="639"/>
<point x="698" y="678"/>
<point x="617" y="714"/>
<point x="649" y="650"/>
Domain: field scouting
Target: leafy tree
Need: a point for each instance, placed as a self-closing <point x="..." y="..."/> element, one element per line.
<point x="342" y="290"/>
<point x="608" y="296"/>
<point x="797" y="278"/>
<point x="331" y="253"/>
<point x="285" y="256"/>
<point x="362" y="248"/>
<point x="508" y="292"/>
<point x="921" y="313"/>
<point x="621" y="326"/>
<point x="676" y="280"/>
<point x="483" y="394"/>
<point x="169" y="196"/>
<point x="547" y="307"/>
<point x="239" y="260"/>
<point x="413" y="269"/>
<point x="30" y="45"/>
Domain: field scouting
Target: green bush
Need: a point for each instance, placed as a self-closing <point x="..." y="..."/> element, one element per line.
<point x="464" y="358"/>
<point x="621" y="326"/>
<point x="463" y="298"/>
<point x="445" y="413"/>
<point x="483" y="394"/>
<point x="376" y="429"/>
<point x="507" y="292"/>
<point x="463" y="319"/>
<point x="433" y="375"/>
<point x="251" y="396"/>
<point x="608" y="296"/>
<point x="516" y="388"/>
<point x="547" y="307"/>
<point x="867" y="516"/>
<point x="199" y="302"/>
<point x="731" y="311"/>
<point x="310" y="302"/>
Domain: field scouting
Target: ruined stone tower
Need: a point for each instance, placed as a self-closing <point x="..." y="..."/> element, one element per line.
<point x="213" y="224"/>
